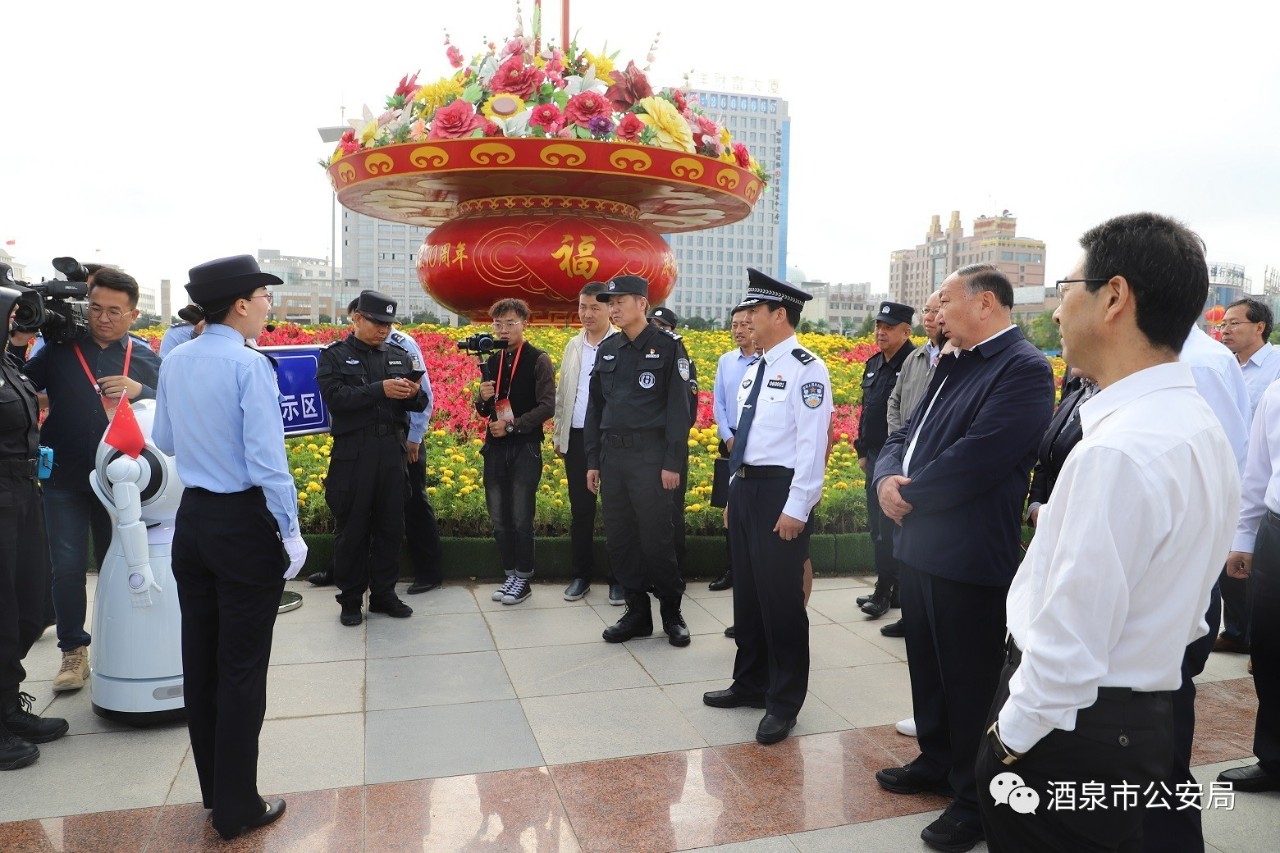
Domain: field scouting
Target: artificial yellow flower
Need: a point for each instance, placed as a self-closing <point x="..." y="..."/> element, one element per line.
<point x="670" y="128"/>
<point x="502" y="106"/>
<point x="367" y="134"/>
<point x="602" y="63"/>
<point x="433" y="96"/>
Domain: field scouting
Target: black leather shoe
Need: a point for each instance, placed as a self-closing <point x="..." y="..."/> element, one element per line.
<point x="271" y="813"/>
<point x="863" y="599"/>
<point x="421" y="586"/>
<point x="1251" y="779"/>
<point x="393" y="607"/>
<point x="16" y="716"/>
<point x="951" y="836"/>
<point x="351" y="615"/>
<point x="729" y="632"/>
<point x="729" y="699"/>
<point x="894" y="629"/>
<point x="725" y="581"/>
<point x="773" y="729"/>
<point x="877" y="606"/>
<point x="900" y="780"/>
<point x="324" y="577"/>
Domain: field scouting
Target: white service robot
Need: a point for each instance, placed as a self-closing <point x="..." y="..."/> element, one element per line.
<point x="137" y="623"/>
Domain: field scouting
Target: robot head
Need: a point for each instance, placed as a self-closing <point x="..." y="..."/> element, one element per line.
<point x="160" y="487"/>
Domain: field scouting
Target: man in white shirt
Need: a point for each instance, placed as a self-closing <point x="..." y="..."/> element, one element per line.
<point x="571" y="414"/>
<point x="1114" y="585"/>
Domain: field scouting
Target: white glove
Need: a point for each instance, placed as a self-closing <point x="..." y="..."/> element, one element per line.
<point x="141" y="582"/>
<point x="297" y="548"/>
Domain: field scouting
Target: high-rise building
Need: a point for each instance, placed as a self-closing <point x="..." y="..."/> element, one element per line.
<point x="842" y="307"/>
<point x="1227" y="283"/>
<point x="383" y="256"/>
<point x="311" y="290"/>
<point x="915" y="273"/>
<point x="712" y="264"/>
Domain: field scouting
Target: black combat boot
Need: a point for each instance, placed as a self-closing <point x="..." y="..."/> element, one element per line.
<point x="672" y="621"/>
<point x="16" y="717"/>
<point x="637" y="621"/>
<point x="14" y="751"/>
<point x="878" y="604"/>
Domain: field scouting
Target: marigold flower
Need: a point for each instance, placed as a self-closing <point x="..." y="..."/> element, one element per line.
<point x="670" y="128"/>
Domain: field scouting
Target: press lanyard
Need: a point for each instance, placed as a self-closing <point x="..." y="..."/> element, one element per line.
<point x="515" y="362"/>
<point x="128" y="351"/>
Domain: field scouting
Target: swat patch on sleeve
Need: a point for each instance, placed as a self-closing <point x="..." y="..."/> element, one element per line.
<point x="812" y="393"/>
<point x="803" y="355"/>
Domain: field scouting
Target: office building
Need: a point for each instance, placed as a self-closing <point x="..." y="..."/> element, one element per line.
<point x="383" y="256"/>
<point x="841" y="307"/>
<point x="712" y="264"/>
<point x="1227" y="283"/>
<point x="311" y="292"/>
<point x="915" y="273"/>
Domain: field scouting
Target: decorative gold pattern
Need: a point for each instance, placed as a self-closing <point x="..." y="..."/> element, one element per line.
<point x="752" y="190"/>
<point x="551" y="204"/>
<point x="492" y="154"/>
<point x="630" y="159"/>
<point x="562" y="154"/>
<point x="727" y="178"/>
<point x="687" y="167"/>
<point x="429" y="156"/>
<point x="346" y="172"/>
<point x="379" y="164"/>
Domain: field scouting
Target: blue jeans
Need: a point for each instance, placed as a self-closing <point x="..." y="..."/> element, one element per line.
<point x="69" y="515"/>
<point x="512" y="469"/>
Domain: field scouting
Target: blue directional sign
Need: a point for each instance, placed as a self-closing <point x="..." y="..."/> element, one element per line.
<point x="301" y="406"/>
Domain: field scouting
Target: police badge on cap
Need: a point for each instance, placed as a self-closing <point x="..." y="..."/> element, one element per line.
<point x="621" y="284"/>
<point x="894" y="313"/>
<point x="376" y="307"/>
<point x="765" y="288"/>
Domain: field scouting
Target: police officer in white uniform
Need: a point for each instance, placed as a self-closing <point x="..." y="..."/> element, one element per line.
<point x="778" y="460"/>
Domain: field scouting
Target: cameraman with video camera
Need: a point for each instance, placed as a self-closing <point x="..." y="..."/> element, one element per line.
<point x="518" y="395"/>
<point x="84" y="370"/>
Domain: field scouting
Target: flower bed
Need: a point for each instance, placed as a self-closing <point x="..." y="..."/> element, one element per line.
<point x="453" y="441"/>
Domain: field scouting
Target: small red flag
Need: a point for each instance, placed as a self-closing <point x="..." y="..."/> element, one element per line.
<point x="11" y="242"/>
<point x="124" y="434"/>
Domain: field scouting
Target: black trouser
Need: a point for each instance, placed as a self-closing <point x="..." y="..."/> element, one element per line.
<point x="24" y="575"/>
<point x="366" y="490"/>
<point x="420" y="529"/>
<point x="637" y="513"/>
<point x="677" y="518"/>
<point x="582" y="507"/>
<point x="229" y="565"/>
<point x="771" y="627"/>
<point x="1235" y="608"/>
<point x="1124" y="738"/>
<point x="1176" y="829"/>
<point x="954" y="635"/>
<point x="881" y="530"/>
<point x="1264" y="619"/>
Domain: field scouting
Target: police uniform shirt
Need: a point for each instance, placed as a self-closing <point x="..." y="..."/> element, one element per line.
<point x="19" y="413"/>
<point x="218" y="414"/>
<point x="417" y="420"/>
<point x="641" y="385"/>
<point x="878" y="378"/>
<point x="350" y="377"/>
<point x="793" y="414"/>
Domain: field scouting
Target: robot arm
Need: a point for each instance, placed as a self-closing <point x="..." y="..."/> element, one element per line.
<point x="123" y="474"/>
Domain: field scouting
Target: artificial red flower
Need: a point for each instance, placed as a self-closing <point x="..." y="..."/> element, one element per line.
<point x="742" y="155"/>
<point x="630" y="128"/>
<point x="705" y="126"/>
<point x="455" y="56"/>
<point x="515" y="77"/>
<point x="628" y="87"/>
<point x="491" y="129"/>
<point x="408" y="85"/>
<point x="455" y="121"/>
<point x="585" y="106"/>
<point x="677" y="98"/>
<point x="348" y="143"/>
<point x="547" y="117"/>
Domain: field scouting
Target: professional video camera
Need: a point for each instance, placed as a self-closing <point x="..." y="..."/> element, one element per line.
<point x="58" y="310"/>
<point x="480" y="345"/>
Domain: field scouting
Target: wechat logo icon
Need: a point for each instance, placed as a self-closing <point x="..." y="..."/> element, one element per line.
<point x="1008" y="789"/>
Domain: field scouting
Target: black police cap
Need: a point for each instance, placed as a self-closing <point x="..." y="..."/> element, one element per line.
<point x="894" y="313"/>
<point x="376" y="307"/>
<point x="762" y="287"/>
<point x="621" y="284"/>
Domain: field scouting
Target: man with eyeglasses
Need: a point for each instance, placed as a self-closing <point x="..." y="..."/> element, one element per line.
<point x="518" y="396"/>
<point x="84" y="379"/>
<point x="369" y="387"/>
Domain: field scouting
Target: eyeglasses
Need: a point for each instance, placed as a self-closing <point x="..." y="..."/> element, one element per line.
<point x="1064" y="281"/>
<point x="112" y="314"/>
<point x="928" y="312"/>
<point x="271" y="300"/>
<point x="508" y="324"/>
<point x="1231" y="324"/>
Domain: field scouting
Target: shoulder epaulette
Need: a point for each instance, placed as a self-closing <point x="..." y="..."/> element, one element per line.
<point x="803" y="355"/>
<point x="672" y="334"/>
<point x="333" y="343"/>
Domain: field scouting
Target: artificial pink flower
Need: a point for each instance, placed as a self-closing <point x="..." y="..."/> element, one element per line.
<point x="515" y="77"/>
<point x="546" y="116"/>
<point x="585" y="106"/>
<point x="630" y="128"/>
<point x="742" y="155"/>
<point x="628" y="87"/>
<point x="677" y="98"/>
<point x="455" y="56"/>
<point x="456" y="121"/>
<point x="705" y="126"/>
<point x="515" y="47"/>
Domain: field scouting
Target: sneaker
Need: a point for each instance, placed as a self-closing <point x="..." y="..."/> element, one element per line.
<point x="501" y="592"/>
<point x="617" y="595"/>
<point x="906" y="727"/>
<point x="577" y="589"/>
<point x="75" y="670"/>
<point x="518" y="592"/>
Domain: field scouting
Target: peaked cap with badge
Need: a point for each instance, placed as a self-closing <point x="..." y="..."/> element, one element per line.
<point x="665" y="315"/>
<point x="376" y="307"/>
<point x="762" y="288"/>
<point x="622" y="284"/>
<point x="894" y="313"/>
<point x="216" y="284"/>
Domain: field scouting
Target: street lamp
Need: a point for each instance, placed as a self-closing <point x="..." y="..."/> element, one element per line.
<point x="331" y="135"/>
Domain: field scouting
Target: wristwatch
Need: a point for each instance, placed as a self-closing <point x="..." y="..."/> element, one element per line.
<point x="510" y="427"/>
<point x="1007" y="756"/>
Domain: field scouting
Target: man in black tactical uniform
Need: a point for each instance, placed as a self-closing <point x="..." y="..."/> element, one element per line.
<point x="369" y="388"/>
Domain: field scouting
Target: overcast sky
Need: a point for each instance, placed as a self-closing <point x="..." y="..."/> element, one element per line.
<point x="158" y="136"/>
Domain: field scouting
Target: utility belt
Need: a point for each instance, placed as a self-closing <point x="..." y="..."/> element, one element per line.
<point x="633" y="439"/>
<point x="764" y="472"/>
<point x="1112" y="694"/>
<point x="19" y="469"/>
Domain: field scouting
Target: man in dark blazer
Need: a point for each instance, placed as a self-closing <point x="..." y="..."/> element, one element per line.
<point x="954" y="481"/>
